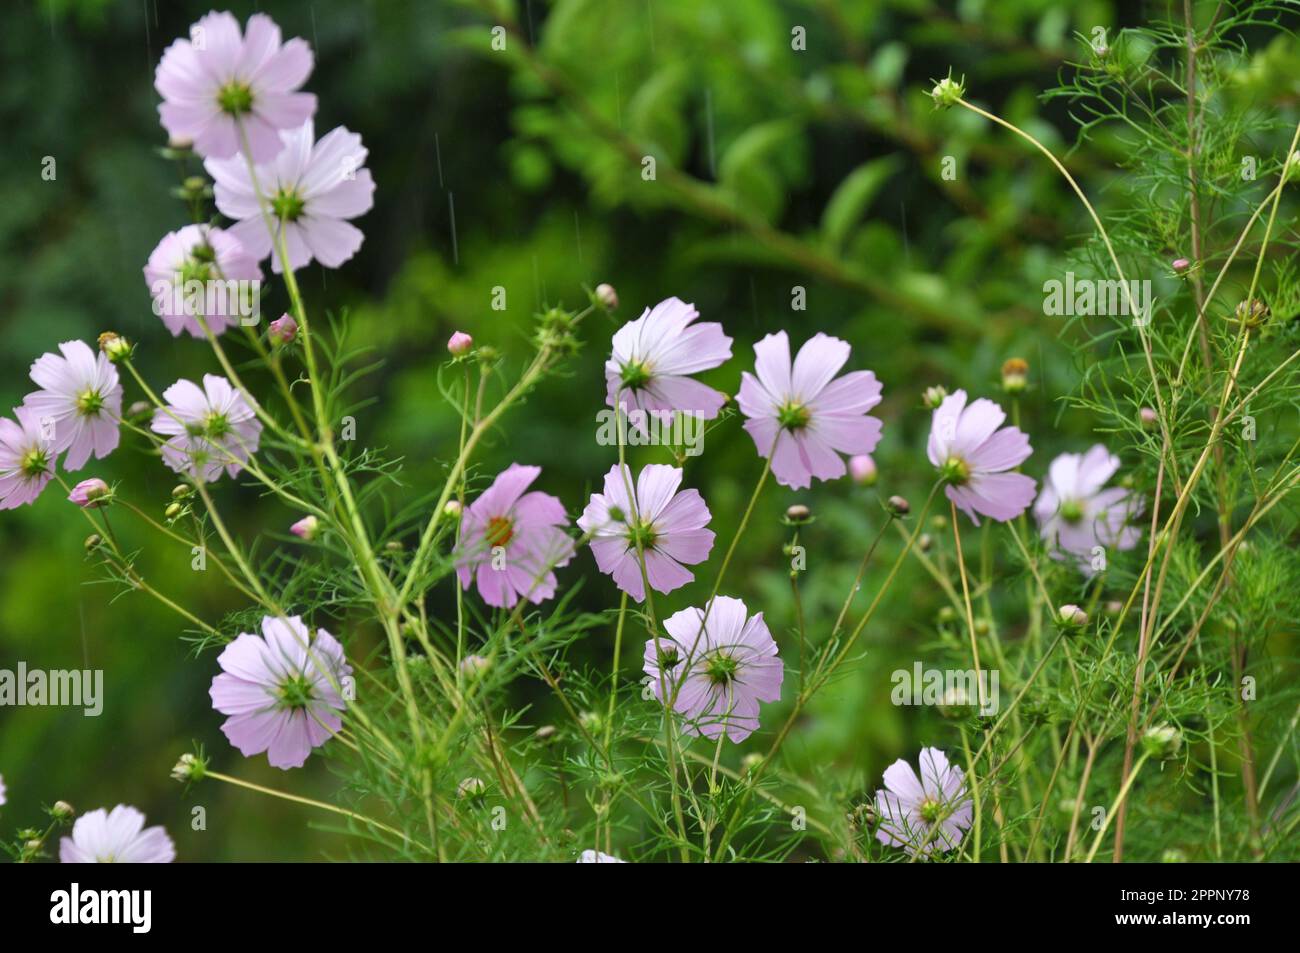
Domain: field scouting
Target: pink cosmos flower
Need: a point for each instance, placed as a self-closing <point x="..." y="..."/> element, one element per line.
<point x="1075" y="513"/>
<point x="226" y="276"/>
<point x="510" y="540"/>
<point x="923" y="815"/>
<point x="720" y="668"/>
<point x="282" y="690"/>
<point x="218" y="81"/>
<point x="207" y="429"/>
<point x="669" y="526"/>
<point x="973" y="457"/>
<point x="803" y="418"/>
<point x="312" y="189"/>
<point x="116" y="837"/>
<point x="81" y="397"/>
<point x="653" y="356"/>
<point x="26" y="459"/>
<point x="596" y="857"/>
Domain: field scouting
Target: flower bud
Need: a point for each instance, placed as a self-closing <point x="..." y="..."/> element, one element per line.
<point x="925" y="542"/>
<point x="459" y="343"/>
<point x="306" y="528"/>
<point x="91" y="493"/>
<point x="932" y="397"/>
<point x="1015" y="375"/>
<point x="948" y="92"/>
<point x="139" y="408"/>
<point x="92" y="542"/>
<point x="1292" y="168"/>
<point x="798" y="514"/>
<point x="62" y="811"/>
<point x="750" y="761"/>
<point x="173" y="510"/>
<point x="1181" y="266"/>
<point x="394" y="546"/>
<point x="189" y="768"/>
<point x="453" y="509"/>
<point x="1162" y="741"/>
<point x="1173" y="855"/>
<point x="1071" y="616"/>
<point x="1252" y="313"/>
<point x="472" y="666"/>
<point x="115" y="346"/>
<point x="863" y="470"/>
<point x="1148" y="418"/>
<point x="180" y="143"/>
<point x="607" y="297"/>
<point x="863" y="816"/>
<point x="282" y="330"/>
<point x="898" y="506"/>
<point x="181" y="490"/>
<point x="545" y="733"/>
<point x="471" y="789"/>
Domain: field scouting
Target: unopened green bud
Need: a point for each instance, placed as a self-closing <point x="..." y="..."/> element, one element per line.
<point x="1162" y="741"/>
<point x="947" y="92"/>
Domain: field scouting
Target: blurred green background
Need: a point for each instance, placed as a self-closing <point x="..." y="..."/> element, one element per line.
<point x="819" y="168"/>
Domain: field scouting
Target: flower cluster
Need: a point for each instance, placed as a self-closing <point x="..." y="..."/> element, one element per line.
<point x="234" y="98"/>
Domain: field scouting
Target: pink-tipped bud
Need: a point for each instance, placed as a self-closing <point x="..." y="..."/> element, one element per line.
<point x="607" y="296"/>
<point x="305" y="528"/>
<point x="898" y="506"/>
<point x="1071" y="616"/>
<point x="459" y="344"/>
<point x="1181" y="266"/>
<point x="1148" y="418"/>
<point x="282" y="330"/>
<point x="453" y="509"/>
<point x="863" y="470"/>
<point x="91" y="493"/>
